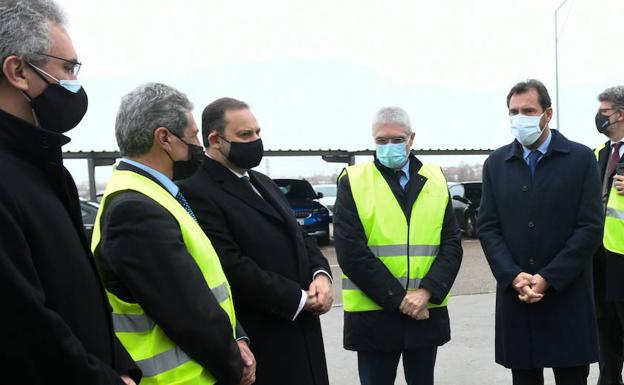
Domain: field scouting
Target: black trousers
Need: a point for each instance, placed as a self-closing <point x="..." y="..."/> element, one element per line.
<point x="575" y="375"/>
<point x="380" y="368"/>
<point x="610" y="317"/>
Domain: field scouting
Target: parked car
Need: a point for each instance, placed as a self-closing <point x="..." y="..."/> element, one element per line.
<point x="89" y="212"/>
<point x="310" y="213"/>
<point x="329" y="194"/>
<point x="466" y="197"/>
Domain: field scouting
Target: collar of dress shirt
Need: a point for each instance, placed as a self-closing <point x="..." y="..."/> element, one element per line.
<point x="543" y="148"/>
<point x="621" y="147"/>
<point x="162" y="178"/>
<point x="405" y="169"/>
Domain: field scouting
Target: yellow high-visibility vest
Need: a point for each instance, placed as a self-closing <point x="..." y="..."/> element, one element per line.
<point x="407" y="250"/>
<point x="613" y="236"/>
<point x="160" y="359"/>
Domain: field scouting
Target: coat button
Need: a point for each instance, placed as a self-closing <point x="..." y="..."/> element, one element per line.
<point x="531" y="224"/>
<point x="525" y="188"/>
<point x="43" y="142"/>
<point x="531" y="261"/>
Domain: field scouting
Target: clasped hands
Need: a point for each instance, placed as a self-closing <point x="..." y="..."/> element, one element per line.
<point x="320" y="295"/>
<point x="414" y="304"/>
<point x="530" y="288"/>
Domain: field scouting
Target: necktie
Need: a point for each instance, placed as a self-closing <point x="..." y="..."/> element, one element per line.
<point x="247" y="181"/>
<point x="180" y="198"/>
<point x="615" y="158"/>
<point x="399" y="175"/>
<point x="533" y="158"/>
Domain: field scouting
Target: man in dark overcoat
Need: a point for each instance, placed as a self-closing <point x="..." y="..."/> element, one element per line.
<point x="540" y="223"/>
<point x="56" y="322"/>
<point x="280" y="280"/>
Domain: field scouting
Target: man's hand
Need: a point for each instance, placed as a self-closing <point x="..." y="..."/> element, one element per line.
<point x="414" y="304"/>
<point x="249" y="371"/>
<point x="310" y="301"/>
<point x="127" y="380"/>
<point x="321" y="289"/>
<point x="618" y="182"/>
<point x="523" y="284"/>
<point x="539" y="284"/>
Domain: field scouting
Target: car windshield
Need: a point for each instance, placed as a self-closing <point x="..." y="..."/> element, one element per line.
<point x="296" y="189"/>
<point x="328" y="191"/>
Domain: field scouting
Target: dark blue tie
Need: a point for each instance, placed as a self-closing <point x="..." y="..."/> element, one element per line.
<point x="180" y="198"/>
<point x="533" y="158"/>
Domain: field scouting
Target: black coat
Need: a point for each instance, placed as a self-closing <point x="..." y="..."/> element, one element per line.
<point x="268" y="261"/>
<point x="143" y="260"/>
<point x="389" y="330"/>
<point x="608" y="266"/>
<point x="56" y="319"/>
<point x="552" y="227"/>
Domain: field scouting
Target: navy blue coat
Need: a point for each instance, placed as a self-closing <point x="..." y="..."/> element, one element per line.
<point x="551" y="226"/>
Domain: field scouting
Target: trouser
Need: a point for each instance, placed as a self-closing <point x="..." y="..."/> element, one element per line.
<point x="610" y="318"/>
<point x="574" y="375"/>
<point x="380" y="368"/>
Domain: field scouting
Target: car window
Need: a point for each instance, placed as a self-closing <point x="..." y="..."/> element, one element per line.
<point x="457" y="189"/>
<point x="328" y="191"/>
<point x="296" y="189"/>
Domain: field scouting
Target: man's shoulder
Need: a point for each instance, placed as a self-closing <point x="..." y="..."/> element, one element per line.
<point x="260" y="176"/>
<point x="130" y="203"/>
<point x="502" y="152"/>
<point x="579" y="147"/>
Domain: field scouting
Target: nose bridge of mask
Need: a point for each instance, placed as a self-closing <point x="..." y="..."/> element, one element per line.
<point x="71" y="85"/>
<point x="526" y="120"/>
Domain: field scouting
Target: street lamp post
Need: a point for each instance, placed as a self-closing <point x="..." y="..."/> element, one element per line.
<point x="557" y="61"/>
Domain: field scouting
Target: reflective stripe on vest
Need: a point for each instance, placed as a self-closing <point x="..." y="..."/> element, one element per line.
<point x="159" y="358"/>
<point x="407" y="250"/>
<point x="613" y="235"/>
<point x="140" y="323"/>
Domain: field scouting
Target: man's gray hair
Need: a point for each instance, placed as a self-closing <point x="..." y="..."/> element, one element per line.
<point x="614" y="95"/>
<point x="392" y="115"/>
<point x="25" y="29"/>
<point x="142" y="111"/>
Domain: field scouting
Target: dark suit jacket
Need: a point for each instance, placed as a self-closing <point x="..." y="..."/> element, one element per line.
<point x="55" y="318"/>
<point x="608" y="266"/>
<point x="389" y="330"/>
<point x="551" y="226"/>
<point x="143" y="259"/>
<point x="268" y="261"/>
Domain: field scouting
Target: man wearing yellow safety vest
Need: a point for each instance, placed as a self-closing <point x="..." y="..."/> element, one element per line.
<point x="609" y="260"/>
<point x="399" y="247"/>
<point x="172" y="305"/>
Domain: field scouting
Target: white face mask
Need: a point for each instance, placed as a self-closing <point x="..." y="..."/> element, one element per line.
<point x="526" y="128"/>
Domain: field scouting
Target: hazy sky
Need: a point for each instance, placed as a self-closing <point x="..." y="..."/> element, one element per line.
<point x="316" y="72"/>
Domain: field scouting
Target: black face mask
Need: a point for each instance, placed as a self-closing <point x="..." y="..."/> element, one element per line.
<point x="183" y="169"/>
<point x="245" y="155"/>
<point x="602" y="122"/>
<point x="58" y="109"/>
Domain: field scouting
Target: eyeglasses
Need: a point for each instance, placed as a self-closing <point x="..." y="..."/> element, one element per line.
<point x="395" y="140"/>
<point x="75" y="65"/>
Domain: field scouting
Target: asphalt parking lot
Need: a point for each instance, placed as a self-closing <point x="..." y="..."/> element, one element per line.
<point x="468" y="359"/>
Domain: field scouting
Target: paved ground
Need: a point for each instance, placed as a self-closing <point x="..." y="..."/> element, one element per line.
<point x="468" y="359"/>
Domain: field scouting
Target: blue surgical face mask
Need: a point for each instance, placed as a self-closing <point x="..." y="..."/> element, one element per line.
<point x="392" y="155"/>
<point x="525" y="128"/>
